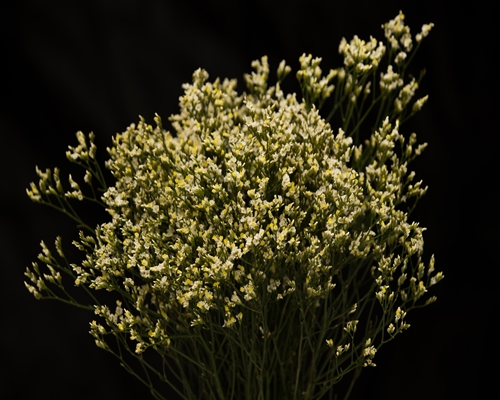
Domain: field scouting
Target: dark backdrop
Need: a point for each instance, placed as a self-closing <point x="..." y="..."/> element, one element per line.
<point x="98" y="65"/>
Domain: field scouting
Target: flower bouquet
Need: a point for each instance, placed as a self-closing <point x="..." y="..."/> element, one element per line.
<point x="263" y="248"/>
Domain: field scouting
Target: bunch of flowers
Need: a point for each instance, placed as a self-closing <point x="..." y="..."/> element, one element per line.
<point x="257" y="251"/>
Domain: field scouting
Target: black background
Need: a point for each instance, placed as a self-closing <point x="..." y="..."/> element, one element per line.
<point x="98" y="65"/>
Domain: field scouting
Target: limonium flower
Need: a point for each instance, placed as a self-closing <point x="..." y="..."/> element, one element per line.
<point x="259" y="247"/>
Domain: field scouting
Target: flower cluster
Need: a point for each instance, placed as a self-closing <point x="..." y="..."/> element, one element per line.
<point x="255" y="219"/>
